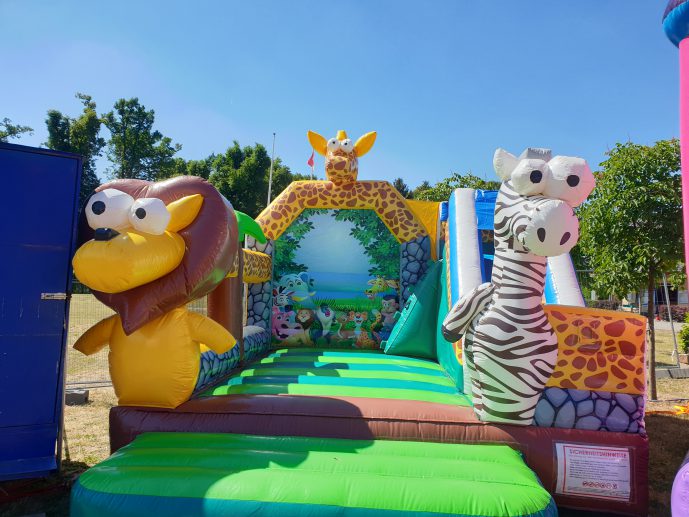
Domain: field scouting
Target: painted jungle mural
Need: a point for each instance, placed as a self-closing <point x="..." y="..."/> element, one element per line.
<point x="336" y="280"/>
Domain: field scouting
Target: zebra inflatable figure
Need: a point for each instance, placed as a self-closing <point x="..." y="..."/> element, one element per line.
<point x="510" y="349"/>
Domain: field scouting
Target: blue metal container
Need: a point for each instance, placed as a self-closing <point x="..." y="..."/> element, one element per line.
<point x="39" y="192"/>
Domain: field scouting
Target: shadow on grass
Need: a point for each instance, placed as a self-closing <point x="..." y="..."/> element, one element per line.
<point x="49" y="496"/>
<point x="669" y="442"/>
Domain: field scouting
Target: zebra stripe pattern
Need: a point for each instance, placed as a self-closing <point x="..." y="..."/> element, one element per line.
<point x="510" y="349"/>
<point x="464" y="311"/>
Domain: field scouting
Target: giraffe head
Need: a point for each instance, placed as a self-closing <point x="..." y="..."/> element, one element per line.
<point x="341" y="154"/>
<point x="534" y="209"/>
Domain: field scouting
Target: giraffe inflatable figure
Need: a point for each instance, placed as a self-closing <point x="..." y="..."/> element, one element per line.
<point x="510" y="348"/>
<point x="342" y="190"/>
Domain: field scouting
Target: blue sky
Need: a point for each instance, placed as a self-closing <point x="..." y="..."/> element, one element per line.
<point x="443" y="83"/>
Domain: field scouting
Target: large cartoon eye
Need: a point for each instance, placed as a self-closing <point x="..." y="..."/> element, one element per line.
<point x="572" y="180"/>
<point x="333" y="144"/>
<point x="109" y="208"/>
<point x="347" y="145"/>
<point x="149" y="215"/>
<point x="530" y="177"/>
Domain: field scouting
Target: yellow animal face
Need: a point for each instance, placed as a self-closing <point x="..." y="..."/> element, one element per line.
<point x="135" y="242"/>
<point x="341" y="154"/>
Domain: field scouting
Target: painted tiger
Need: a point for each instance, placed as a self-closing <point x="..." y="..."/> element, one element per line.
<point x="509" y="347"/>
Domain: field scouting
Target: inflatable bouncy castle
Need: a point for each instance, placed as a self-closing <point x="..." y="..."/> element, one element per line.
<point x="392" y="357"/>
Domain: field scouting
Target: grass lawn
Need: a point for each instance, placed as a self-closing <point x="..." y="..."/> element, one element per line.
<point x="85" y="311"/>
<point x="665" y="347"/>
<point x="86" y="428"/>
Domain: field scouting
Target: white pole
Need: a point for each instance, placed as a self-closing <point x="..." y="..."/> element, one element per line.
<point x="675" y="352"/>
<point x="270" y="177"/>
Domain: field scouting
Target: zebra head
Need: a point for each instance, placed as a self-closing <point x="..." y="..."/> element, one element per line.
<point x="534" y="209"/>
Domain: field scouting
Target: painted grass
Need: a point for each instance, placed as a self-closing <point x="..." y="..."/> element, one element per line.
<point x="350" y="304"/>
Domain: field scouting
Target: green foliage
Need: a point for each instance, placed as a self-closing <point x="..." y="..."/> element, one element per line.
<point x="242" y="174"/>
<point x="181" y="167"/>
<point x="362" y="304"/>
<point x="683" y="336"/>
<point x="632" y="224"/>
<point x="135" y="148"/>
<point x="78" y="135"/>
<point x="378" y="243"/>
<point x="9" y="130"/>
<point x="631" y="227"/>
<point x="402" y="188"/>
<point x="441" y="191"/>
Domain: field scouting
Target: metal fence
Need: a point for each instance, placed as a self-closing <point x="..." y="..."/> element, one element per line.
<point x="84" y="312"/>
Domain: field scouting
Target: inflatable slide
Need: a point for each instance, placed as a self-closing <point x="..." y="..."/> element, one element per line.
<point x="377" y="333"/>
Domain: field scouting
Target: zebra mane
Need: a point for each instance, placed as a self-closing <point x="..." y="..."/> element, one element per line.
<point x="536" y="153"/>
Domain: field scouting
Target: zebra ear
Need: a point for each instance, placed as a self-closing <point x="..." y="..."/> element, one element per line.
<point x="504" y="163"/>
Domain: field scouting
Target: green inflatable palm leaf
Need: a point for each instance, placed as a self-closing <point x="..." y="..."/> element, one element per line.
<point x="247" y="226"/>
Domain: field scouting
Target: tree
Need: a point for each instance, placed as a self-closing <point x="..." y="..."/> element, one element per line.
<point x="135" y="148"/>
<point x="9" y="130"/>
<point x="441" y="191"/>
<point x="425" y="186"/>
<point x="631" y="227"/>
<point x="78" y="135"/>
<point x="402" y="188"/>
<point x="181" y="167"/>
<point x="241" y="175"/>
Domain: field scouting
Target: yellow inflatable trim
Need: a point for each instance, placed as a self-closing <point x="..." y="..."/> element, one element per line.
<point x="427" y="213"/>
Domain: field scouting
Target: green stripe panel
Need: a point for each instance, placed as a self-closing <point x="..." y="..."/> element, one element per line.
<point x="368" y="374"/>
<point x="344" y="381"/>
<point x="267" y="371"/>
<point x="326" y="351"/>
<point x="456" y="399"/>
<point x="416" y="477"/>
<point x="379" y="367"/>
<point x="351" y="360"/>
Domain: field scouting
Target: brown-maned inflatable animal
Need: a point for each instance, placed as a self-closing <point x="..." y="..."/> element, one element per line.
<point x="146" y="250"/>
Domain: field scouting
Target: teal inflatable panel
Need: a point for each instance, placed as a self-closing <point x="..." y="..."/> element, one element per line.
<point x="446" y="350"/>
<point x="414" y="333"/>
<point x="189" y="474"/>
<point x="343" y="373"/>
